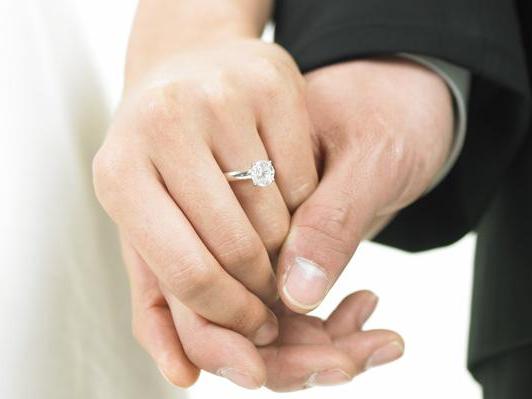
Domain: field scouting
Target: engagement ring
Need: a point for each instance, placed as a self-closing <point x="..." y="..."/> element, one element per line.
<point x="262" y="173"/>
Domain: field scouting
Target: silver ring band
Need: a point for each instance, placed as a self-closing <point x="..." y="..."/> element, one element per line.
<point x="261" y="173"/>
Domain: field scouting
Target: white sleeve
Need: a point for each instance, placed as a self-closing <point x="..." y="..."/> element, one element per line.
<point x="458" y="79"/>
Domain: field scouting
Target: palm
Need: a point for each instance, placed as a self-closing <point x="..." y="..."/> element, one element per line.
<point x="307" y="344"/>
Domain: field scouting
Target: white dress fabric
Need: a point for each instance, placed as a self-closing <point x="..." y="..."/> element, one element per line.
<point x="65" y="313"/>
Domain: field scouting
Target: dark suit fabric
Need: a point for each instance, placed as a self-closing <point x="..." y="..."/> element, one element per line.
<point x="489" y="190"/>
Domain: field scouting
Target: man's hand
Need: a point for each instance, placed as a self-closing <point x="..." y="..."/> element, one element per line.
<point x="382" y="129"/>
<point x="308" y="351"/>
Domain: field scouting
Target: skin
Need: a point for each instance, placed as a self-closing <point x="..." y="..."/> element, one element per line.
<point x="384" y="129"/>
<point x="201" y="252"/>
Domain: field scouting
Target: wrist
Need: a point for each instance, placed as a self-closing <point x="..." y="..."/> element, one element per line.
<point x="166" y="28"/>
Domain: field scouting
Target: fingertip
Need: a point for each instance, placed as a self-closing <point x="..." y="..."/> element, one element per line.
<point x="373" y="348"/>
<point x="219" y="350"/>
<point x="369" y="294"/>
<point x="369" y="304"/>
<point x="182" y="378"/>
<point x="272" y="294"/>
<point x="240" y="378"/>
<point x="359" y="296"/>
<point x="387" y="336"/>
<point x="352" y="313"/>
<point x="267" y="332"/>
<point x="387" y="353"/>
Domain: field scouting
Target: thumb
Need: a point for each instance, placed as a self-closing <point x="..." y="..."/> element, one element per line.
<point x="324" y="234"/>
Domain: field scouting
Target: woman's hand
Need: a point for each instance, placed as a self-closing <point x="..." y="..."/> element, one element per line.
<point x="159" y="175"/>
<point x="202" y="96"/>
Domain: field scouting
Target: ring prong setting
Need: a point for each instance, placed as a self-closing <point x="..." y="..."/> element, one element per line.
<point x="262" y="173"/>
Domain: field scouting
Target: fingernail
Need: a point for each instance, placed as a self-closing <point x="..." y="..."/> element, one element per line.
<point x="388" y="353"/>
<point x="368" y="309"/>
<point x="306" y="283"/>
<point x="328" y="377"/>
<point x="165" y="376"/>
<point x="266" y="333"/>
<point x="239" y="378"/>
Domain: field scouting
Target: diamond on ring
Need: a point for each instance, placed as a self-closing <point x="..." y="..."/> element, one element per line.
<point x="261" y="173"/>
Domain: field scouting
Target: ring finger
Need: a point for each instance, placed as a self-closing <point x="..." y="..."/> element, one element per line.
<point x="198" y="186"/>
<point x="237" y="147"/>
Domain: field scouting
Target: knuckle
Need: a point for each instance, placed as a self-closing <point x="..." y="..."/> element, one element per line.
<point x="302" y="189"/>
<point x="270" y="79"/>
<point x="379" y="128"/>
<point x="328" y="224"/>
<point x="158" y="104"/>
<point x="159" y="109"/>
<point x="109" y="171"/>
<point x="410" y="178"/>
<point x="403" y="168"/>
<point x="393" y="157"/>
<point x="332" y="247"/>
<point x="398" y="156"/>
<point x="245" y="321"/>
<point x="241" y="321"/>
<point x="189" y="277"/>
<point x="278" y="86"/>
<point x="405" y="176"/>
<point x="216" y="97"/>
<point x="277" y="230"/>
<point x="238" y="249"/>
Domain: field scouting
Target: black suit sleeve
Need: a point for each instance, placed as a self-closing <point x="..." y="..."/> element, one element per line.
<point x="492" y="39"/>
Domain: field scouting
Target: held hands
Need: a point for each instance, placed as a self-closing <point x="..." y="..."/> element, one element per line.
<point x="201" y="252"/>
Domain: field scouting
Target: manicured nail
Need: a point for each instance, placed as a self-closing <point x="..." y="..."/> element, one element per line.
<point x="239" y="378"/>
<point x="328" y="377"/>
<point x="267" y="333"/>
<point x="388" y="353"/>
<point x="165" y="376"/>
<point x="305" y="284"/>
